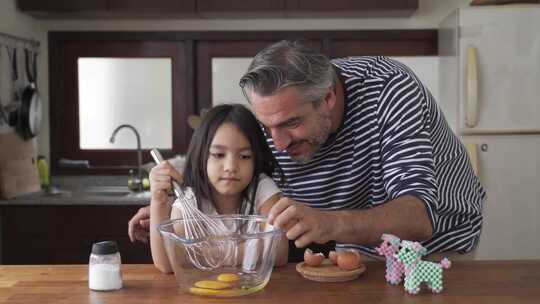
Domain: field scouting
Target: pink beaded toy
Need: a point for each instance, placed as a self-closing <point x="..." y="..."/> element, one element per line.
<point x="388" y="249"/>
<point x="418" y="271"/>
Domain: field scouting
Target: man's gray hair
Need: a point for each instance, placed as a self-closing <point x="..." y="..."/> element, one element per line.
<point x="285" y="64"/>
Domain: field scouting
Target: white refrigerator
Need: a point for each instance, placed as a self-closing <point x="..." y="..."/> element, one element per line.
<point x="490" y="94"/>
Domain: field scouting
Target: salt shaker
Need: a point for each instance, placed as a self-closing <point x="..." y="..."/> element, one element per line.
<point x="104" y="267"/>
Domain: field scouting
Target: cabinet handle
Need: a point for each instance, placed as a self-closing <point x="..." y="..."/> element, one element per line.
<point x="471" y="86"/>
<point x="472" y="151"/>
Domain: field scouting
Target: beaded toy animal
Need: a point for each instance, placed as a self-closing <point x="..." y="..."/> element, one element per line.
<point x="418" y="271"/>
<point x="388" y="249"/>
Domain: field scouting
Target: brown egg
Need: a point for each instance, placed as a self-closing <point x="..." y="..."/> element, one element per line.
<point x="313" y="259"/>
<point x="332" y="255"/>
<point x="349" y="260"/>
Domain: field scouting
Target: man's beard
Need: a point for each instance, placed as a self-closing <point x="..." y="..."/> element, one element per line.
<point x="316" y="142"/>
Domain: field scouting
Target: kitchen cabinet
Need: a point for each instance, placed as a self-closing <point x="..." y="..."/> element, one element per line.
<point x="351" y="8"/>
<point x="154" y="6"/>
<point x="387" y="43"/>
<point x="47" y="234"/>
<point x="61" y="6"/>
<point x="107" y="8"/>
<point x="240" y="6"/>
<point x="313" y="8"/>
<point x="218" y="8"/>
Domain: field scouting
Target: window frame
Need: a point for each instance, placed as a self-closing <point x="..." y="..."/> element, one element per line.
<point x="192" y="77"/>
<point x="64" y="105"/>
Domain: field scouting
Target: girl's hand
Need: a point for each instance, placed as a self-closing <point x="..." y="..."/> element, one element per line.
<point x="161" y="177"/>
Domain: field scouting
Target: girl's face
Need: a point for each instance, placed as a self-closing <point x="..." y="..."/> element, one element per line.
<point x="230" y="162"/>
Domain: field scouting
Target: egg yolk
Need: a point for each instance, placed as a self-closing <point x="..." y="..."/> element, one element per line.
<point x="212" y="284"/>
<point x="228" y="277"/>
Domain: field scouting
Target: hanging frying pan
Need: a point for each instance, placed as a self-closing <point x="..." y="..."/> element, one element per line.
<point x="30" y="110"/>
<point x="27" y="118"/>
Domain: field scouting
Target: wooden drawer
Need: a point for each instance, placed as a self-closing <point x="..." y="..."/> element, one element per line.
<point x="65" y="234"/>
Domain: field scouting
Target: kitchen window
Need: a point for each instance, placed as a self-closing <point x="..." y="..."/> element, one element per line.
<point x="101" y="85"/>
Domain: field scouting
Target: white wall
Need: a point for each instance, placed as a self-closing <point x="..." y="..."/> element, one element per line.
<point x="429" y="14"/>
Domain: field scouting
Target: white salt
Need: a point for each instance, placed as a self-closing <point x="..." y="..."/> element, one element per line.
<point x="104" y="277"/>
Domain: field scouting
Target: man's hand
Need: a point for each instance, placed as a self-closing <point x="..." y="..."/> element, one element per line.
<point x="301" y="223"/>
<point x="306" y="225"/>
<point x="139" y="225"/>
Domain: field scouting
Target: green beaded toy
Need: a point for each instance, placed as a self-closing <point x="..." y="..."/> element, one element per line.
<point x="418" y="271"/>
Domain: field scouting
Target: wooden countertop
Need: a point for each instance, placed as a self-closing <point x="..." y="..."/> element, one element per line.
<point x="466" y="282"/>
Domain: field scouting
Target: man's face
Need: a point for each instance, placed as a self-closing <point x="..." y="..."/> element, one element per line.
<point x="296" y="126"/>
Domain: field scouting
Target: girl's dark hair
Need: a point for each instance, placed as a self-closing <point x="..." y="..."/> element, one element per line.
<point x="197" y="156"/>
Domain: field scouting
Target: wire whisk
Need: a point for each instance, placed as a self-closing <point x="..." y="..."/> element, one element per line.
<point x="211" y="250"/>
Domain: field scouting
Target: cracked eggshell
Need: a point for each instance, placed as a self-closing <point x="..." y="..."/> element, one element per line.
<point x="332" y="255"/>
<point x="313" y="259"/>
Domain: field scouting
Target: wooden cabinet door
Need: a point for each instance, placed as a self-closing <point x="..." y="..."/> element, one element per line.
<point x="106" y="7"/>
<point x="65" y="234"/>
<point x="61" y="5"/>
<point x="154" y="6"/>
<point x="240" y="5"/>
<point x="364" y="8"/>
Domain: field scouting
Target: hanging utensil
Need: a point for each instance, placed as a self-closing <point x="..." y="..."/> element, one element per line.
<point x="27" y="117"/>
<point x="12" y="55"/>
<point x="12" y="107"/>
<point x="30" y="110"/>
<point x="3" y="114"/>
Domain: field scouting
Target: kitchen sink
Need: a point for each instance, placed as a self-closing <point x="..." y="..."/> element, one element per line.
<point x="114" y="191"/>
<point x="108" y="191"/>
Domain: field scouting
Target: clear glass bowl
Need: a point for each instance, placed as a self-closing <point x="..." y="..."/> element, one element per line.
<point x="235" y="264"/>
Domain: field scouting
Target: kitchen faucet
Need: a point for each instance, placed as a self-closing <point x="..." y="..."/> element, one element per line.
<point x="139" y="155"/>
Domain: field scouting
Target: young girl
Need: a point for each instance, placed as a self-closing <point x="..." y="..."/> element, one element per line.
<point x="228" y="165"/>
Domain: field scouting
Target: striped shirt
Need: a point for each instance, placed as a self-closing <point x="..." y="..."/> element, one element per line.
<point x="393" y="141"/>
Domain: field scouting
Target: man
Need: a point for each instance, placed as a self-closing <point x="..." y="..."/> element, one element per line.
<point x="365" y="151"/>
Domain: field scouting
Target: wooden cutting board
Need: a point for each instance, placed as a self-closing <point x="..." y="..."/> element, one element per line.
<point x="328" y="272"/>
<point x="18" y="166"/>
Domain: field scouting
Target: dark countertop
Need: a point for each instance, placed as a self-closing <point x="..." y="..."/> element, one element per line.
<point x="73" y="190"/>
<point x="42" y="199"/>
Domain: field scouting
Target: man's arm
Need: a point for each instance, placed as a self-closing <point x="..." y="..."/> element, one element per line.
<point x="139" y="225"/>
<point x="405" y="217"/>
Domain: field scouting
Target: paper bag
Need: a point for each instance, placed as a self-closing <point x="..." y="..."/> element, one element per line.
<point x="18" y="166"/>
